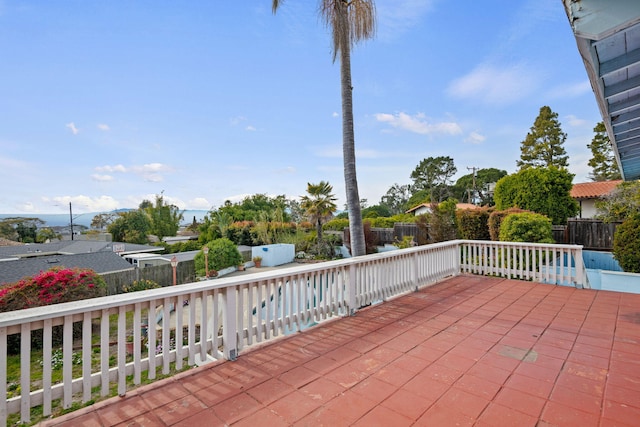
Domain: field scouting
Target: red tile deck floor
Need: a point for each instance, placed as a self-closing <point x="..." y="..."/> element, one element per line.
<point x="469" y="351"/>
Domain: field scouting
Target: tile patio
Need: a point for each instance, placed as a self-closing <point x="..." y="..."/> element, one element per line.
<point x="469" y="351"/>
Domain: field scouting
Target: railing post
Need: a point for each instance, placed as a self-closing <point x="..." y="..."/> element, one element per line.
<point x="351" y="288"/>
<point x="230" y="326"/>
<point x="581" y="277"/>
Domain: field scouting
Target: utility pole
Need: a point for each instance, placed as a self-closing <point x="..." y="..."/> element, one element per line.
<point x="71" y="220"/>
<point x="474" y="169"/>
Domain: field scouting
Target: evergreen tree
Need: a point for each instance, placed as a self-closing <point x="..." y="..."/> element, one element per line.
<point x="603" y="162"/>
<point x="543" y="146"/>
<point x="434" y="175"/>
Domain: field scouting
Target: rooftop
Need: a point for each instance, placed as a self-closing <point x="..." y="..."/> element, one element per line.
<point x="468" y="351"/>
<point x="593" y="190"/>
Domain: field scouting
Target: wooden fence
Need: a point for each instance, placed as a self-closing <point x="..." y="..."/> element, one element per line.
<point x="161" y="274"/>
<point x="592" y="234"/>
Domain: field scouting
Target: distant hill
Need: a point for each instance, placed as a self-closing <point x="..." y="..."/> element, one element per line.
<point x="62" y="220"/>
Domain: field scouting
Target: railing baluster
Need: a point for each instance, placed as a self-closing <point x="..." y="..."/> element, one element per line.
<point x="86" y="357"/>
<point x="3" y="377"/>
<point x="25" y="372"/>
<point x="47" y="348"/>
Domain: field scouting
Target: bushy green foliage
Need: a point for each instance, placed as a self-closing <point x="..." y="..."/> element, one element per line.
<point x="140" y="285"/>
<point x="336" y="224"/>
<point x="526" y="227"/>
<point x="622" y="203"/>
<point x="223" y="253"/>
<point x="240" y="233"/>
<point x="131" y="227"/>
<point x="626" y="244"/>
<point x="473" y="224"/>
<point x="53" y="286"/>
<point x="542" y="190"/>
<point x="495" y="219"/>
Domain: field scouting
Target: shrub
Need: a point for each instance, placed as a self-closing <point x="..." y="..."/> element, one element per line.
<point x="140" y="285"/>
<point x="336" y="224"/>
<point x="526" y="227"/>
<point x="223" y="253"/>
<point x="240" y="233"/>
<point x="473" y="224"/>
<point x="53" y="286"/>
<point x="626" y="244"/>
<point x="496" y="218"/>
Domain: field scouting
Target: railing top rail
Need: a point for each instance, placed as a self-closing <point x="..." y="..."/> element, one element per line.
<point x="535" y="245"/>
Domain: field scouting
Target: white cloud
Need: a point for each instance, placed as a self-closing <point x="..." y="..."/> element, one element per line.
<point x="495" y="85"/>
<point x="107" y="168"/>
<point x="199" y="203"/>
<point x="152" y="167"/>
<point x="418" y="124"/>
<point x="475" y="138"/>
<point x="101" y="178"/>
<point x="103" y="127"/>
<point x="575" y="121"/>
<point x="250" y="128"/>
<point x="87" y="204"/>
<point x="73" y="128"/>
<point x="335" y="114"/>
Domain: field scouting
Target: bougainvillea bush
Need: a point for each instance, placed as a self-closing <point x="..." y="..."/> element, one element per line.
<point x="53" y="286"/>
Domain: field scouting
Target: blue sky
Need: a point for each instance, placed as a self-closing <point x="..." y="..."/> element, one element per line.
<point x="106" y="103"/>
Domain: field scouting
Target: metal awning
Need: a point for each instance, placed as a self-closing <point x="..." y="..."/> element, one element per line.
<point x="608" y="36"/>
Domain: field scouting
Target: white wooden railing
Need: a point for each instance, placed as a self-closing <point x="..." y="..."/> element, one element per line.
<point x="211" y="320"/>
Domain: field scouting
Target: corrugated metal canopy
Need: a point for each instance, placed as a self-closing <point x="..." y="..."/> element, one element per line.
<point x="608" y="36"/>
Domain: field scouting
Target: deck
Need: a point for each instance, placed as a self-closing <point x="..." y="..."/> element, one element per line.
<point x="468" y="351"/>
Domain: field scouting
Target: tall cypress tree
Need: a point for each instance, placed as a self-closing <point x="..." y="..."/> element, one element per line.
<point x="603" y="163"/>
<point x="543" y="146"/>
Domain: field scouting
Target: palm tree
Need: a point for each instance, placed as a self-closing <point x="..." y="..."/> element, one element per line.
<point x="319" y="205"/>
<point x="350" y="21"/>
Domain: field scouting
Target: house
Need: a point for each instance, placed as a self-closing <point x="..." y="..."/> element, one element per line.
<point x="12" y="270"/>
<point x="18" y="261"/>
<point x="588" y="193"/>
<point x="425" y="208"/>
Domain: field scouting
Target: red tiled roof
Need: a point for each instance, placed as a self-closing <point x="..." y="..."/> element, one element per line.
<point x="458" y="206"/>
<point x="593" y="190"/>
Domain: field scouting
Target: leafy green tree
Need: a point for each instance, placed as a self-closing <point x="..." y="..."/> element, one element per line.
<point x="396" y="198"/>
<point x="102" y="221"/>
<point x="130" y="227"/>
<point x="467" y="188"/>
<point x="542" y="190"/>
<point x="543" y="146"/>
<point x="164" y="219"/>
<point x="19" y="228"/>
<point x="376" y="211"/>
<point x="27" y="233"/>
<point x="45" y="234"/>
<point x="622" y="203"/>
<point x="434" y="175"/>
<point x="319" y="205"/>
<point x="603" y="162"/>
<point x="250" y="208"/>
<point x="417" y="198"/>
<point x="349" y="22"/>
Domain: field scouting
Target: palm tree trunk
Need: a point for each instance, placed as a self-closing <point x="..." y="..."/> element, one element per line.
<point x="356" y="230"/>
